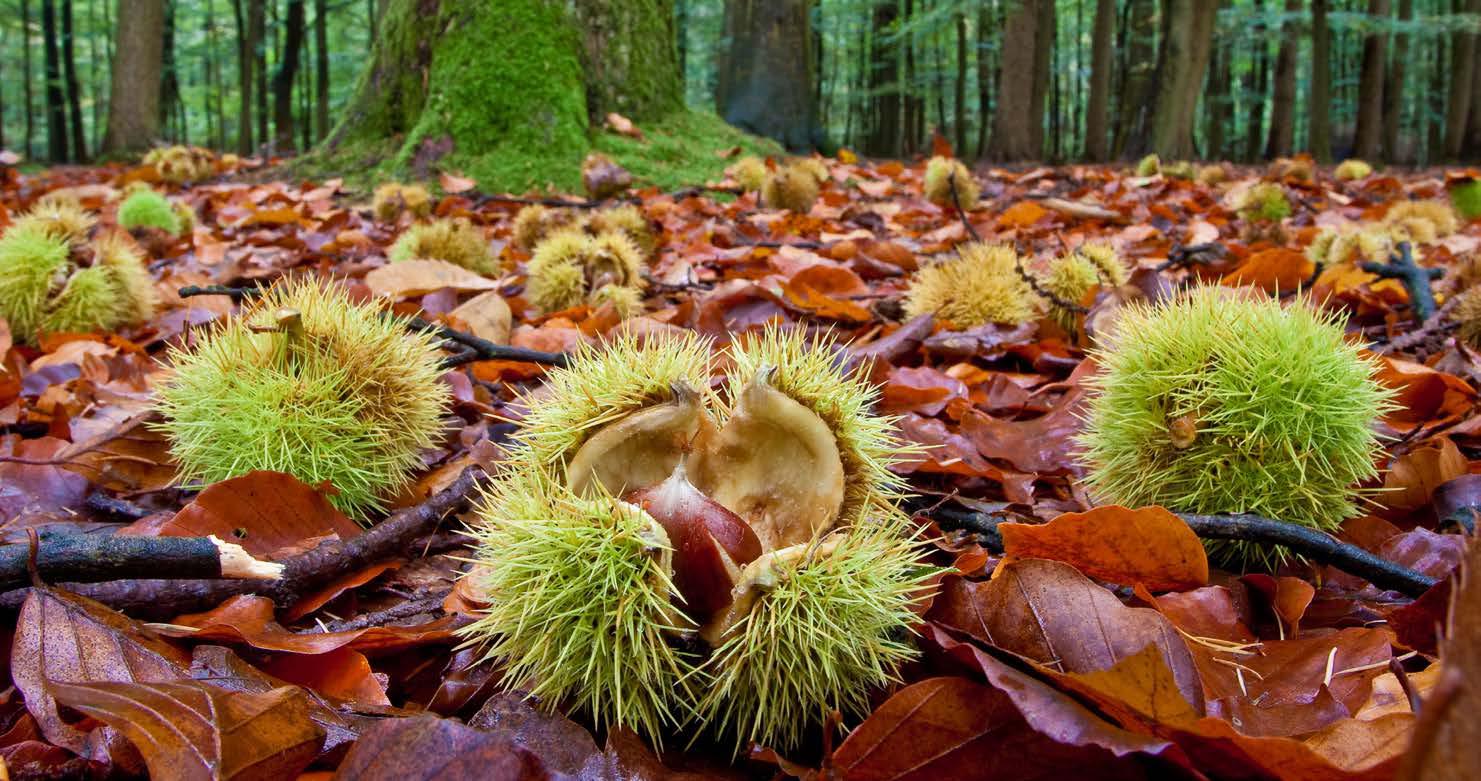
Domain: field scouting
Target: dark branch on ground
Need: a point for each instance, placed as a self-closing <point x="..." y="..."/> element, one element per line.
<point x="1415" y="278"/>
<point x="96" y="558"/>
<point x="111" y="505"/>
<point x="1310" y="543"/>
<point x="469" y="347"/>
<point x="1199" y="254"/>
<point x="392" y="538"/>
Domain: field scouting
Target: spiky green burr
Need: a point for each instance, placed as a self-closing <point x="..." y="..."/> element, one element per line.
<point x="1215" y="402"/>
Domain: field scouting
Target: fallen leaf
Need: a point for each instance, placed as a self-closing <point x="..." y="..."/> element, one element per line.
<point x="453" y="184"/>
<point x="486" y="316"/>
<point x="191" y="730"/>
<point x="624" y="126"/>
<point x="429" y="749"/>
<point x="419" y="277"/>
<point x="1149" y="547"/>
<point x="265" y="512"/>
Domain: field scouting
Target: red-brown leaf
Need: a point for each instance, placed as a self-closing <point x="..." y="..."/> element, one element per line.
<point x="1149" y="546"/>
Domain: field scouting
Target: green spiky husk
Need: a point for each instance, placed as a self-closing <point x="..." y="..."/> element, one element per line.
<point x="42" y="290"/>
<point x="603" y="384"/>
<point x="352" y="400"/>
<point x="814" y="373"/>
<point x="979" y="286"/>
<point x="938" y="181"/>
<point x="31" y="257"/>
<point x="456" y="241"/>
<point x="1466" y="198"/>
<point x="1282" y="406"/>
<point x="749" y="173"/>
<point x="145" y="208"/>
<point x="580" y="604"/>
<point x="1151" y="165"/>
<point x="790" y="188"/>
<point x="831" y="629"/>
<point x="1265" y="202"/>
<point x="1352" y="169"/>
<point x="627" y="301"/>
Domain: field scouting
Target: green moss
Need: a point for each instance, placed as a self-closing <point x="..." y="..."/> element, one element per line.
<point x="1466" y="197"/>
<point x="680" y="149"/>
<point x="145" y="208"/>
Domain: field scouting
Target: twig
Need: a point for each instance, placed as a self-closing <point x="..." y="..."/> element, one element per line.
<point x="112" y="505"/>
<point x="1415" y="278"/>
<point x="400" y="610"/>
<point x="1018" y="268"/>
<point x="1302" y="540"/>
<point x="1201" y="254"/>
<point x="302" y="574"/>
<point x="95" y="558"/>
<point x="1437" y="324"/>
<point x="472" y="348"/>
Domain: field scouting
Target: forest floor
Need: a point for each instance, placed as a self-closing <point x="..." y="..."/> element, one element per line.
<point x="1047" y="651"/>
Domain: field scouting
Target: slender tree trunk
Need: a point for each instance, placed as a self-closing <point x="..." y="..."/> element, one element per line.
<point x="1393" y="91"/>
<point x="767" y="70"/>
<point x="245" y="46"/>
<point x="321" y="68"/>
<point x="1043" y="61"/>
<point x="26" y="75"/>
<point x="1218" y="108"/>
<point x="985" y="73"/>
<point x="1370" y="90"/>
<point x="1020" y="109"/>
<point x="1283" y="105"/>
<point x="74" y="98"/>
<point x="1319" y="101"/>
<point x="1139" y="74"/>
<point x="884" y="84"/>
<point x="283" y="79"/>
<point x="1189" y="40"/>
<point x="1462" y="75"/>
<point x="257" y="23"/>
<point x="1255" y="87"/>
<point x="1471" y="145"/>
<point x="961" y="84"/>
<point x="56" y="102"/>
<point x="1101" y="62"/>
<point x="133" y="102"/>
<point x="169" y="91"/>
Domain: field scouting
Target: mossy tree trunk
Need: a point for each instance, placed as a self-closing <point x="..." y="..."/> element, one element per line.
<point x="505" y="90"/>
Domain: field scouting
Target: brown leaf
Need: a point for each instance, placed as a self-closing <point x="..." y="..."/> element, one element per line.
<point x="429" y="748"/>
<point x="65" y="638"/>
<point x="191" y="730"/>
<point x="952" y="727"/>
<point x="264" y="512"/>
<point x="1043" y="445"/>
<point x="419" y="277"/>
<point x="32" y="488"/>
<point x="1150" y="546"/>
<point x="1049" y="612"/>
<point x="486" y="316"/>
<point x="1278" y="269"/>
<point x="624" y="126"/>
<point x="1021" y="215"/>
<point x="1448" y="732"/>
<point x="602" y="177"/>
<point x="453" y="184"/>
<point x="1413" y="477"/>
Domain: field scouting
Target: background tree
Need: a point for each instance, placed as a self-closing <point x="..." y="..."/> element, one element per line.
<point x="1018" y="119"/>
<point x="1370" y="90"/>
<point x="767" y="72"/>
<point x="133" y="116"/>
<point x="1190" y="29"/>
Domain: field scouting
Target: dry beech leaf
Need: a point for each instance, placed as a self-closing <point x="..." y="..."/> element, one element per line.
<point x="419" y="277"/>
<point x="1050" y="613"/>
<point x="191" y="730"/>
<point x="65" y="638"/>
<point x="453" y="184"/>
<point x="1448" y="732"/>
<point x="264" y="512"/>
<point x="1275" y="270"/>
<point x="426" y="748"/>
<point x="1150" y="546"/>
<point x="486" y="316"/>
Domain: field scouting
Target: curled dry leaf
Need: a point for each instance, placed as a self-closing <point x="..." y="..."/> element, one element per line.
<point x="486" y="316"/>
<point x="1149" y="546"/>
<point x="418" y="277"/>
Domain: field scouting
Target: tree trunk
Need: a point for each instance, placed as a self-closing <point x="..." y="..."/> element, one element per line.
<point x="56" y="101"/>
<point x="1189" y="40"/>
<point x="1020" y="110"/>
<point x="1101" y="62"/>
<point x="1218" y="108"/>
<point x="283" y="79"/>
<point x="1393" y="91"/>
<point x="766" y="71"/>
<point x="169" y="91"/>
<point x="1319" y="101"/>
<point x="26" y="74"/>
<point x="630" y="60"/>
<point x="256" y="26"/>
<point x="74" y="99"/>
<point x="245" y="46"/>
<point x="1370" y="89"/>
<point x="1283" y="105"/>
<point x="1255" y="86"/>
<point x="1471" y="145"/>
<point x="1139" y="74"/>
<point x="321" y="68"/>
<point x="523" y="119"/>
<point x="884" y="84"/>
<point x="961" y="84"/>
<point x="1043" y="61"/>
<point x="133" y="98"/>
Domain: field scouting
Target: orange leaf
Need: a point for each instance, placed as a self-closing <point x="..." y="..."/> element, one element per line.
<point x="1022" y="215"/>
<point x="1278" y="269"/>
<point x="1149" y="546"/>
<point x="264" y="512"/>
<point x="453" y="184"/>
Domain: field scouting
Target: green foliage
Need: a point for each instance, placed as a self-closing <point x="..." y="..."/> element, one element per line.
<point x="146" y="208"/>
<point x="1466" y="197"/>
<point x="1214" y="403"/>
<point x="309" y="383"/>
<point x="680" y="150"/>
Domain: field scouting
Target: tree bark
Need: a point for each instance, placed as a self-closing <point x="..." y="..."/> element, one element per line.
<point x="766" y="71"/>
<point x="1462" y="74"/>
<point x="257" y="26"/>
<point x="133" y="98"/>
<point x="1255" y="86"/>
<point x="56" y="102"/>
<point x="1218" y="108"/>
<point x="321" y="68"/>
<point x="1101" y="61"/>
<point x="1393" y="91"/>
<point x="961" y="84"/>
<point x="1283" y="101"/>
<point x="1189" y="40"/>
<point x="1319" y="101"/>
<point x="74" y="98"/>
<point x="245" y="46"/>
<point x="1020" y="110"/>
<point x="1471" y="145"/>
<point x="283" y="79"/>
<point x="884" y="84"/>
<point x="26" y="74"/>
<point x="1139" y="76"/>
<point x="630" y="58"/>
<point x="1370" y="89"/>
<point x="1043" y="62"/>
<point x="169" y="91"/>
